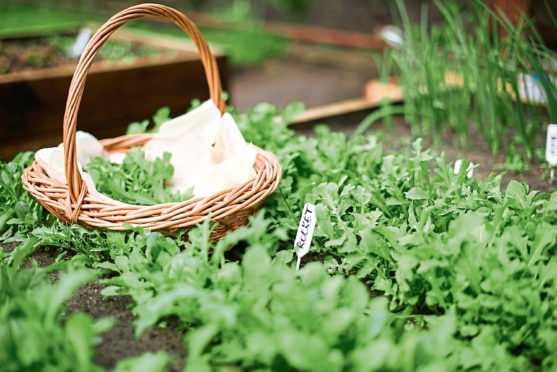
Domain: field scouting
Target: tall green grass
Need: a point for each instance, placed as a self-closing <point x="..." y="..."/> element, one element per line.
<point x="460" y="74"/>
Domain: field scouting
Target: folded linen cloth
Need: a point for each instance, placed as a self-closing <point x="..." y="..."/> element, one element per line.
<point x="209" y="153"/>
<point x="52" y="159"/>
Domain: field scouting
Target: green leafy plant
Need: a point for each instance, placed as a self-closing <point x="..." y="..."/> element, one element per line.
<point x="114" y="50"/>
<point x="463" y="269"/>
<point x="514" y="162"/>
<point x="20" y="212"/>
<point x="152" y="362"/>
<point x="137" y="180"/>
<point x="161" y="116"/>
<point x="35" y="333"/>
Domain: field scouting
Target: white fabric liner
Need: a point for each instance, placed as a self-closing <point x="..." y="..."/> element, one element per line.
<point x="209" y="153"/>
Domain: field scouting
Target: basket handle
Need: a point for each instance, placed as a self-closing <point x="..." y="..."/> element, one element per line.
<point x="76" y="186"/>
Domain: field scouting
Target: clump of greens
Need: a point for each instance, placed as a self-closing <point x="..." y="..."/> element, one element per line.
<point x="161" y="116"/>
<point x="20" y="212"/>
<point x="113" y="50"/>
<point x="35" y="333"/>
<point x="464" y="269"/>
<point x="137" y="180"/>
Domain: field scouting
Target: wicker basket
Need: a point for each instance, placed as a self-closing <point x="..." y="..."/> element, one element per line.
<point x="72" y="202"/>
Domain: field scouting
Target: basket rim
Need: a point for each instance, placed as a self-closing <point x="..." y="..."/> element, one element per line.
<point x="50" y="193"/>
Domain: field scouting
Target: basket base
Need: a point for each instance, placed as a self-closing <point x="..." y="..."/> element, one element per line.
<point x="224" y="225"/>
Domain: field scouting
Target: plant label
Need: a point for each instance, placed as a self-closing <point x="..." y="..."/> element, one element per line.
<point x="551" y="145"/>
<point x="470" y="169"/>
<point x="392" y="35"/>
<point x="305" y="232"/>
<point x="80" y="42"/>
<point x="530" y="89"/>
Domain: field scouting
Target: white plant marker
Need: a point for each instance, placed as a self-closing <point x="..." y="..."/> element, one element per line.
<point x="551" y="148"/>
<point x="80" y="42"/>
<point x="392" y="35"/>
<point x="305" y="232"/>
<point x="531" y="89"/>
<point x="458" y="164"/>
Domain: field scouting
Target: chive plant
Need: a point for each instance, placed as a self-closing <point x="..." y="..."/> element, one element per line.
<point x="460" y="73"/>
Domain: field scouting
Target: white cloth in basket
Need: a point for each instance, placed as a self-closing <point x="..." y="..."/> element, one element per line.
<point x="209" y="153"/>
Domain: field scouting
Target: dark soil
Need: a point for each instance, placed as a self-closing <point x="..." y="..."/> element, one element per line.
<point x="119" y="342"/>
<point x="17" y="57"/>
<point x="20" y="54"/>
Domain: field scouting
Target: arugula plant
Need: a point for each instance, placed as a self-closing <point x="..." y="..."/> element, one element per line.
<point x="258" y="313"/>
<point x="137" y="180"/>
<point x="35" y="332"/>
<point x="161" y="116"/>
<point x="20" y="212"/>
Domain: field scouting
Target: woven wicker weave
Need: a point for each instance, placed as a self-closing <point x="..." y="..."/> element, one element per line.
<point x="72" y="202"/>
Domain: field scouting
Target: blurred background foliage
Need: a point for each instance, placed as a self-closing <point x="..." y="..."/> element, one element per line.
<point x="246" y="43"/>
<point x="357" y="15"/>
<point x="236" y="26"/>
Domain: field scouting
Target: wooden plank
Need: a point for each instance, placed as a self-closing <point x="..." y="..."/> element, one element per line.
<point x="376" y="91"/>
<point x="316" y="34"/>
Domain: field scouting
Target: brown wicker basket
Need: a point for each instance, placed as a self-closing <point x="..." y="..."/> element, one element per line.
<point x="72" y="202"/>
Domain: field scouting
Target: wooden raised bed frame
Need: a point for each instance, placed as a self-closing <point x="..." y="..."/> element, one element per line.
<point x="32" y="102"/>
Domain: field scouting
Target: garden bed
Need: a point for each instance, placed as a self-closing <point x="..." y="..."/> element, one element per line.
<point x="398" y="136"/>
<point x="34" y="53"/>
<point x="120" y="341"/>
<point x="150" y="72"/>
